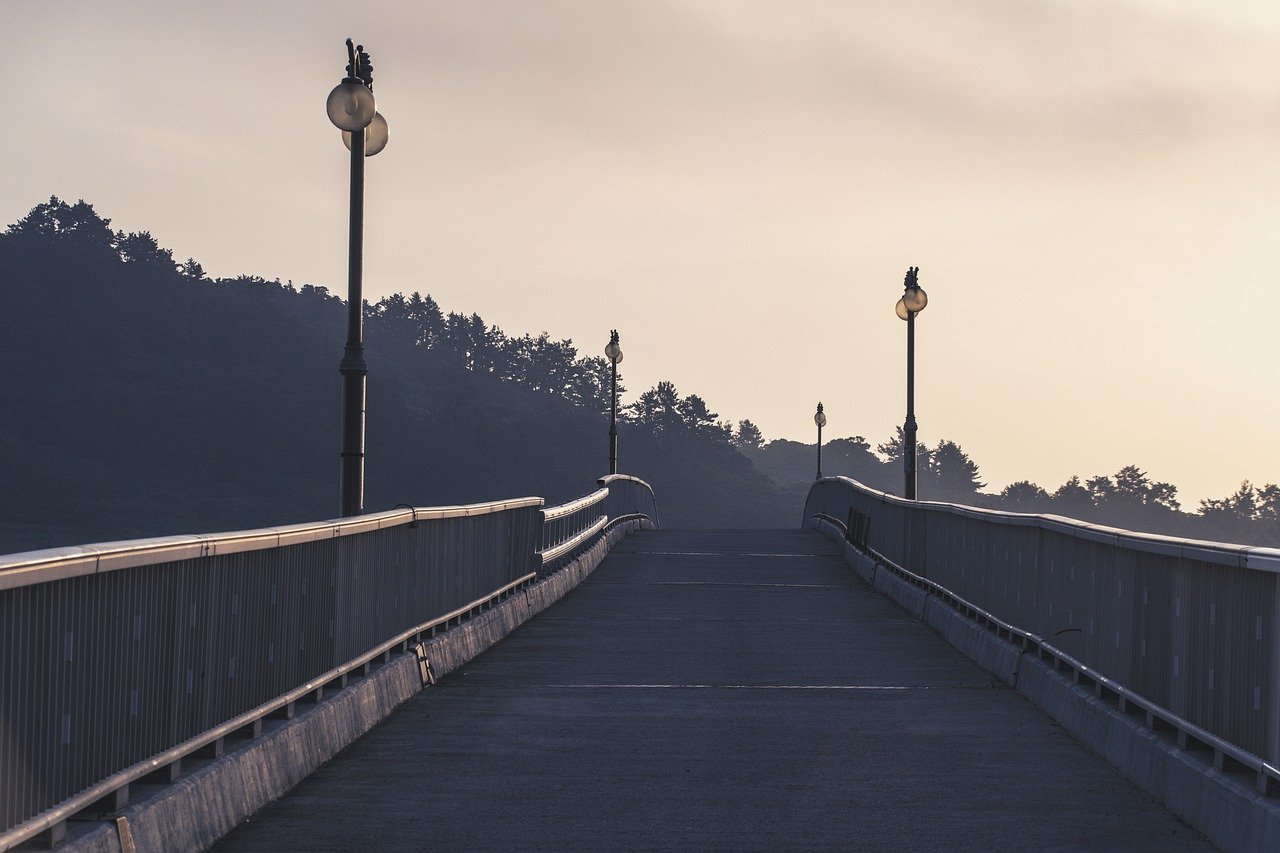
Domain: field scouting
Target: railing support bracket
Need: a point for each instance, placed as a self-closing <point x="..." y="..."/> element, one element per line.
<point x="125" y="833"/>
<point x="425" y="670"/>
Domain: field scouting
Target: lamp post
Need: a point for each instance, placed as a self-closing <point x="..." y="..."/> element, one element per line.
<point x="913" y="301"/>
<point x="352" y="109"/>
<point x="613" y="352"/>
<point x="820" y="418"/>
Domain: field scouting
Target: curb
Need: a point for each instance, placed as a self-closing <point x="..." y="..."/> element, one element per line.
<point x="198" y="809"/>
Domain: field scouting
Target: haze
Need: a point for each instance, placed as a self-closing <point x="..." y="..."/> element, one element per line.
<point x="1091" y="191"/>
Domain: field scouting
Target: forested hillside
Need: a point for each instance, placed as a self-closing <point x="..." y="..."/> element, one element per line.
<point x="141" y="397"/>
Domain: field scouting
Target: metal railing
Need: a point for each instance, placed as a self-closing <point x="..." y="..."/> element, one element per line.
<point x="1185" y="630"/>
<point x="629" y="497"/>
<point x="566" y="528"/>
<point x="119" y="660"/>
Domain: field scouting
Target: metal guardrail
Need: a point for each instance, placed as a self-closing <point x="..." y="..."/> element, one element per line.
<point x="567" y="527"/>
<point x="629" y="497"/>
<point x="119" y="660"/>
<point x="1182" y="629"/>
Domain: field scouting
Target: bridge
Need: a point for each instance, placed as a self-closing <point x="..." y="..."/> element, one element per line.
<point x="892" y="673"/>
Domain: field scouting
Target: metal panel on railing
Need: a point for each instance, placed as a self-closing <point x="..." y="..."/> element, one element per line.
<point x="112" y="654"/>
<point x="1189" y="625"/>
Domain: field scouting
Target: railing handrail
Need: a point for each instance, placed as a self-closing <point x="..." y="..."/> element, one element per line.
<point x="1252" y="557"/>
<point x="50" y="564"/>
<point x="615" y="478"/>
<point x="558" y="551"/>
<point x="612" y="478"/>
<point x="552" y="513"/>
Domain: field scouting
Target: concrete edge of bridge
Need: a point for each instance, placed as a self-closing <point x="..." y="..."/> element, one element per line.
<point x="1232" y="814"/>
<point x="200" y="808"/>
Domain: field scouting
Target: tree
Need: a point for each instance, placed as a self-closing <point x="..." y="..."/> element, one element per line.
<point x="658" y="409"/>
<point x="1133" y="500"/>
<point x="316" y="291"/>
<point x="1073" y="499"/>
<point x="591" y="382"/>
<point x="1024" y="496"/>
<point x="1130" y="480"/>
<point x="926" y="473"/>
<point x="426" y="317"/>
<point x="699" y="420"/>
<point x="141" y="248"/>
<point x="1240" y="506"/>
<point x="55" y="219"/>
<point x="490" y="345"/>
<point x="852" y="456"/>
<point x="464" y="340"/>
<point x="891" y="450"/>
<point x="748" y="435"/>
<point x="1269" y="503"/>
<point x="1101" y="490"/>
<point x="954" y="474"/>
<point x="191" y="268"/>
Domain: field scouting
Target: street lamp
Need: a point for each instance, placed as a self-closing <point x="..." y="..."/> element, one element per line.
<point x="913" y="301"/>
<point x="820" y="418"/>
<point x="352" y="109"/>
<point x="613" y="352"/>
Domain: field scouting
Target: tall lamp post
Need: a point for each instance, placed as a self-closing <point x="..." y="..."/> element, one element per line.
<point x="913" y="301"/>
<point x="613" y="352"/>
<point x="352" y="109"/>
<point x="820" y="418"/>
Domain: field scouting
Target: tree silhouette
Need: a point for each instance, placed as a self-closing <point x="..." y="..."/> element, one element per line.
<point x="191" y="268"/>
<point x="142" y="249"/>
<point x="218" y="354"/>
<point x="954" y="475"/>
<point x="1025" y="496"/>
<point x="891" y="451"/>
<point x="1268" y="501"/>
<point x="55" y="219"/>
<point x="658" y="409"/>
<point x="748" y="435"/>
<point x="1131" y="489"/>
<point x="698" y="419"/>
<point x="1073" y="500"/>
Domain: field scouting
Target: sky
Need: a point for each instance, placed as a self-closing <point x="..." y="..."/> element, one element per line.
<point x="1091" y="189"/>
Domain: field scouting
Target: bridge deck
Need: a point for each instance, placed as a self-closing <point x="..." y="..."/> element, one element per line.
<point x="718" y="689"/>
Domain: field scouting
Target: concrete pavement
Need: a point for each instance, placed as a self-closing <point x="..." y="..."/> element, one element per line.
<point x="718" y="689"/>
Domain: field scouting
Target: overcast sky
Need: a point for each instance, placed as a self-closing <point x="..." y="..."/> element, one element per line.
<point x="1090" y="189"/>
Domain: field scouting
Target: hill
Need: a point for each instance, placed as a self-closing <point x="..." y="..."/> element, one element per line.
<point x="143" y="398"/>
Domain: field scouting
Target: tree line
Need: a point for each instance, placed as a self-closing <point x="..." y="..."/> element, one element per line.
<point x="1129" y="498"/>
<point x="147" y="397"/>
<point x="554" y="368"/>
<point x="538" y="363"/>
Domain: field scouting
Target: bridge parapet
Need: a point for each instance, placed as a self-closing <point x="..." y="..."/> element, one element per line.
<point x="118" y="660"/>
<point x="1189" y="629"/>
